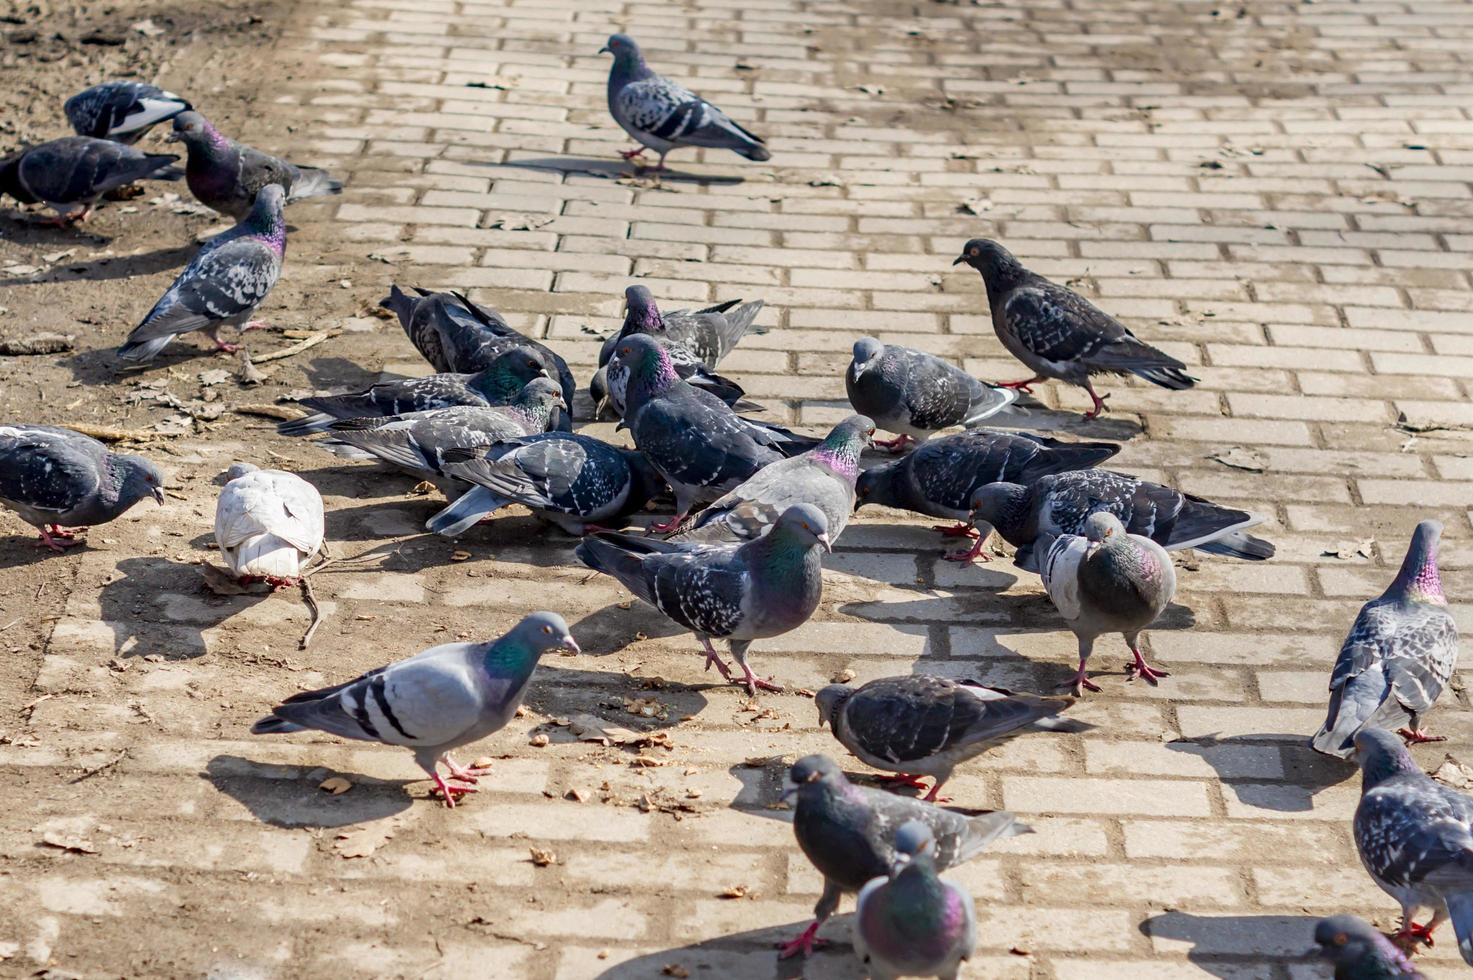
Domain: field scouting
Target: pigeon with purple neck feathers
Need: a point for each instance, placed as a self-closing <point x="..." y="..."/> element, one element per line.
<point x="664" y="115"/>
<point x="1398" y="656"/>
<point x="1361" y="952"/>
<point x="1415" y="838"/>
<point x="69" y="175"/>
<point x="939" y="477"/>
<point x="121" y="111"/>
<point x="1057" y="333"/>
<point x="222" y="286"/>
<point x="760" y="589"/>
<point x="53" y="477"/>
<point x="910" y="923"/>
<point x="824" y="477"/>
<point x="434" y="702"/>
<point x="917" y="394"/>
<point x="498" y="384"/>
<point x="1060" y="503"/>
<point x="226" y="175"/>
<point x="1108" y="582"/>
<point x="922" y="725"/>
<point x="848" y="833"/>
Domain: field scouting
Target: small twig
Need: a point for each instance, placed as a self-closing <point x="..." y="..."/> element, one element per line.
<point x="296" y="348"/>
<point x="269" y="411"/>
<point x="319" y="566"/>
<point x="97" y="769"/>
<point x="310" y="598"/>
<point x="109" y="434"/>
<point x="8" y="625"/>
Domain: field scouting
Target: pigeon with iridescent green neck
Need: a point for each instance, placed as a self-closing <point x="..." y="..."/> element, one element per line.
<point x="1360" y="951"/>
<point x="910" y="923"/>
<point x="823" y="476"/>
<point x="226" y="175"/>
<point x="1398" y="657"/>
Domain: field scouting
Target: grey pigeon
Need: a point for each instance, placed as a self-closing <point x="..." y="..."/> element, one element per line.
<point x="434" y="702"/>
<point x="823" y="476"/>
<point x="121" y="111"/>
<point x="571" y="480"/>
<point x="757" y="590"/>
<point x="939" y="477"/>
<point x="1059" y="504"/>
<point x="1398" y="656"/>
<point x="664" y="115"/>
<point x="701" y="447"/>
<point x="923" y="725"/>
<point x="498" y="384"/>
<point x="69" y="175"/>
<point x="1108" y="581"/>
<point x="1415" y="838"/>
<point x="911" y="923"/>
<point x="228" y="278"/>
<point x="226" y="175"/>
<point x="458" y="336"/>
<point x="268" y="524"/>
<point x="55" y="477"/>
<point x="848" y="833"/>
<point x="1057" y="333"/>
<point x="1361" y="952"/>
<point x="917" y="394"/>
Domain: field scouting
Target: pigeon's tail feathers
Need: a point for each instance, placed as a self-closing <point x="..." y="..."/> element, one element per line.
<point x="314" y="183"/>
<point x="783" y="439"/>
<point x="143" y="351"/>
<point x="1337" y="736"/>
<point x="275" y="725"/>
<point x="987" y="403"/>
<point x="306" y="425"/>
<point x="987" y="828"/>
<point x="264" y="554"/>
<point x="737" y="324"/>
<point x="1219" y="531"/>
<point x="167" y="170"/>
<point x="463" y="514"/>
<point x="1168" y="377"/>
<point x="1240" y="544"/>
<point x="606" y="553"/>
<point x="720" y="386"/>
<point x="1460" y="911"/>
<point x="344" y="450"/>
<point x="1053" y="723"/>
<point x="400" y="303"/>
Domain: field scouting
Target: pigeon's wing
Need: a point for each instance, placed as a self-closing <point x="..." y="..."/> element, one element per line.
<point x="1411" y="830"/>
<point x="1420" y="657"/>
<point x="1060" y="573"/>
<point x="419" y="440"/>
<point x="258" y="169"/>
<point x="224" y="282"/>
<point x="671" y="112"/>
<point x="264" y="503"/>
<point x="561" y="474"/>
<point x="936" y="394"/>
<point x="1057" y="325"/>
<point x="398" y="398"/>
<point x="713" y="332"/>
<point x="47" y="469"/>
<point x="693" y="443"/>
<point x="79" y="168"/>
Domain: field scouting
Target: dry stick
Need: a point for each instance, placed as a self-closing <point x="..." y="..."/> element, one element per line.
<point x="296" y="348"/>
<point x="311" y="600"/>
<point x="269" y="411"/>
<point x="109" y="434"/>
<point x="97" y="769"/>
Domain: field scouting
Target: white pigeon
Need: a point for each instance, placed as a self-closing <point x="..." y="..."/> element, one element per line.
<point x="268" y="524"/>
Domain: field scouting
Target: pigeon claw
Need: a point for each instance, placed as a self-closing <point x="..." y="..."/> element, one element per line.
<point x="1411" y="934"/>
<point x="1416" y="736"/>
<point x="1139" y="668"/>
<point x="631" y="154"/>
<point x="969" y="555"/>
<point x="933" y="797"/>
<point x="895" y="445"/>
<point x="450" y="791"/>
<point x="1099" y="406"/>
<point x="904" y="779"/>
<point x="667" y="526"/>
<point x="1080" y="683"/>
<point x="805" y="943"/>
<point x="1025" y="386"/>
<point x="960" y="530"/>
<point x="58" y="538"/>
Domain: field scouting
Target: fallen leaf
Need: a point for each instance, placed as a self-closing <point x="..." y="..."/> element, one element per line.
<point x="459" y="555"/>
<point x="519" y="222"/>
<point x="538" y="741"/>
<point x="1351" y="549"/>
<point x="363" y="840"/>
<point x="975" y="205"/>
<point x="68" y="842"/>
<point x="422" y="488"/>
<point x="735" y="891"/>
<point x="21" y="270"/>
<point x="483" y="762"/>
<point x="589" y="728"/>
<point x="336" y="785"/>
<point x="843" y="677"/>
<point x="1241" y="459"/>
<point x="52" y="258"/>
<point x="1454" y="773"/>
<point x="542" y="857"/>
<point x="675" y="970"/>
<point x="218" y="376"/>
<point x="147" y="28"/>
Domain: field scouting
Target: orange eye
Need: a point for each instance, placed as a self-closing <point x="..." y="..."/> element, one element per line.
<point x="547" y="630"/>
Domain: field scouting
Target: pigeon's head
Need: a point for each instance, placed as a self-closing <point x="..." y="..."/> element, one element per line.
<point x="238" y="470"/>
<point x="830" y="702"/>
<point x="139" y="478"/>
<point x="1351" y="941"/>
<point x="877" y="485"/>
<point x="812" y="772"/>
<point x="996" y="503"/>
<point x="844" y="444"/>
<point x="507" y="374"/>
<point x="1382" y="755"/>
<point x="988" y="258"/>
<point x="913" y="841"/>
<point x="541" y="396"/>
<point x="192" y="128"/>
<point x="624" y="50"/>
<point x="648" y="365"/>
<point x="867" y="351"/>
<point x="1102" y="527"/>
<point x="540" y="632"/>
<point x="807" y="524"/>
<point x="641" y="314"/>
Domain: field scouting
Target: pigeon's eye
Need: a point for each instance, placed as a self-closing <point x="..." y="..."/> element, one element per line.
<point x="547" y="630"/>
<point x="974" y="252"/>
<point x="1341" y="939"/>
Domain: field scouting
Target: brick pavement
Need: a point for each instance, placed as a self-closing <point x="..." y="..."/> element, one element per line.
<point x="1277" y="193"/>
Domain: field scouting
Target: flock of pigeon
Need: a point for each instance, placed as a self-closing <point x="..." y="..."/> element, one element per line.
<point x="755" y="506"/>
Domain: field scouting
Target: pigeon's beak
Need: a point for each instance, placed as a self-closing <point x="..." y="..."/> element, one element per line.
<point x="604" y="50"/>
<point x="901" y="860"/>
<point x="790" y="793"/>
<point x="959" y="260"/>
<point x="822" y="721"/>
<point x="603" y="403"/>
<point x="158" y="494"/>
<point x="173" y="136"/>
<point x="571" y="645"/>
<point x="828" y="545"/>
<point x="623" y="424"/>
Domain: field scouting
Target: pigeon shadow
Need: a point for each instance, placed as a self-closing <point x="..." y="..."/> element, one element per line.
<point x="26" y="228"/>
<point x="1235" y="947"/>
<point x="160" y="606"/>
<point x="19" y="550"/>
<point x="752" y="953"/>
<point x="1033" y="416"/>
<point x="111" y="267"/>
<point x="339" y="374"/>
<point x="1240" y="762"/>
<point x="559" y="691"/>
<point x="287" y="796"/>
<point x="613" y="628"/>
<point x="613" y="170"/>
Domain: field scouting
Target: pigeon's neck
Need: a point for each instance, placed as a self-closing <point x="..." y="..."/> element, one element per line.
<point x="879" y="484"/>
<point x="1419" y="580"/>
<point x="1384" y="959"/>
<point x="646" y="320"/>
<point x="210" y="145"/>
<point x="113" y="487"/>
<point x="1007" y="514"/>
<point x="496" y="384"/>
<point x="1385" y="765"/>
<point x="533" y="414"/>
<point x="268" y="225"/>
<point x="652" y="379"/>
<point x="509" y="659"/>
<point x="919" y="894"/>
<point x="1004" y="275"/>
<point x="629" y="66"/>
<point x="784" y="557"/>
<point x="840" y="452"/>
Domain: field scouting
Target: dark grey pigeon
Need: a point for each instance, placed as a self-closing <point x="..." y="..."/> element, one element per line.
<point x="1360" y="951"/>
<point x="823" y="476"/>
<point x="760" y="589"/>
<point x="911" y="923"/>
<point x="1059" y="504"/>
<point x="939" y="477"/>
<point x="435" y="702"/>
<point x="458" y="336"/>
<point x="222" y="286"/>
<point x="1415" y="838"/>
<point x="499" y="384"/>
<point x="664" y="115"/>
<point x="701" y="447"/>
<point x="574" y="481"/>
<point x="609" y="382"/>
<point x="848" y="833"/>
<point x="55" y="477"/>
<point x="917" y="394"/>
<point x="121" y="111"/>
<point x="922" y="725"/>
<point x="69" y="175"/>
<point x="226" y="175"/>
<point x="1398" y="657"/>
<point x="1057" y="333"/>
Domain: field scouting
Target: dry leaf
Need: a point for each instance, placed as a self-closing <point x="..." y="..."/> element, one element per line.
<point x="422" y="488"/>
<point x="363" y="840"/>
<point x="1351" y="549"/>
<point x="1454" y="774"/>
<point x="843" y="677"/>
<point x="68" y="842"/>
<point x="483" y="762"/>
<point x="675" y="970"/>
<point x="218" y="376"/>
<point x="1241" y="459"/>
<point x="542" y="857"/>
<point x="589" y="728"/>
<point x="459" y="555"/>
<point x="735" y="891"/>
<point x="336" y="785"/>
<point x="975" y="205"/>
<point x="538" y="741"/>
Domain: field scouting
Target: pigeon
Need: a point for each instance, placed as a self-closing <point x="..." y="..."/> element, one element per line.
<point x="1108" y="581"/>
<point x="701" y="447"/>
<point x="910" y="923"/>
<point x="573" y="481"/>
<point x="1398" y="657"/>
<point x="823" y="476"/>
<point x="1415" y="838"/>
<point x="609" y="382"/>
<point x="68" y="175"/>
<point x="921" y="724"/>
<point x="917" y="394"/>
<point x="1058" y="504"/>
<point x="417" y="442"/>
<point x="760" y="589"/>
<point x="498" y="384"/>
<point x="226" y="175"/>
<point x="54" y="477"/>
<point x="848" y="833"/>
<point x="664" y="115"/>
<point x="435" y="702"/>
<point x="939" y="477"/>
<point x="268" y="524"/>
<point x="1057" y="333"/>
<point x="121" y="111"/>
<point x="1360" y="952"/>
<point x="458" y="336"/>
<point x="222" y="286"/>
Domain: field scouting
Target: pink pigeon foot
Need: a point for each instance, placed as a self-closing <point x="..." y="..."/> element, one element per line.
<point x="713" y="659"/>
<point x="974" y="553"/>
<point x="1099" y="405"/>
<point x="1081" y="683"/>
<point x="668" y="526"/>
<point x="468" y="774"/>
<point x="959" y="530"/>
<point x="631" y="154"/>
<point x="1416" y="736"/>
<point x="894" y="445"/>
<point x="1411" y="933"/>
<point x="1025" y="386"/>
<point x="932" y="796"/>
<point x="755" y="683"/>
<point x="1144" y="670"/>
<point x="904" y="779"/>
<point x="806" y="943"/>
<point x="58" y="539"/>
<point x="449" y="790"/>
